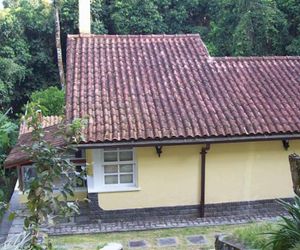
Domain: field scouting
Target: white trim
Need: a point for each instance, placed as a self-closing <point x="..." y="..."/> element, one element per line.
<point x="96" y="182"/>
<point x="119" y="189"/>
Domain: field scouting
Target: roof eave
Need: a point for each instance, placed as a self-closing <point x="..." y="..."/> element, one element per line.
<point x="175" y="141"/>
<point x="186" y="141"/>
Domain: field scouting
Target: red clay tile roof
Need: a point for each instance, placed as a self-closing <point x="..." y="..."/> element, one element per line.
<point x="47" y="121"/>
<point x="17" y="156"/>
<point x="160" y="87"/>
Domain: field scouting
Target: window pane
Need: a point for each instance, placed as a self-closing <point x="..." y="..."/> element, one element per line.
<point x="111" y="179"/>
<point x="126" y="168"/>
<point x="79" y="177"/>
<point x="29" y="173"/>
<point x="110" y="169"/>
<point x="80" y="182"/>
<point x="110" y="149"/>
<point x="126" y="178"/>
<point x="110" y="156"/>
<point x="126" y="156"/>
<point x="58" y="182"/>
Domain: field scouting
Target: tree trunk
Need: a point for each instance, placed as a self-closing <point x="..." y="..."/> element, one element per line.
<point x="58" y="46"/>
<point x="295" y="171"/>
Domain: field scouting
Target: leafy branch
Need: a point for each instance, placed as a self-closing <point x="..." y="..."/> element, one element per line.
<point x="51" y="164"/>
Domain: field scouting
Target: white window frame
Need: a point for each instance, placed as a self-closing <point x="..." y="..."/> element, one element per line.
<point x="96" y="182"/>
<point x="118" y="162"/>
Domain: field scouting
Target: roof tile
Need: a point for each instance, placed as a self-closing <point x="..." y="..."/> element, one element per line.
<point x="167" y="86"/>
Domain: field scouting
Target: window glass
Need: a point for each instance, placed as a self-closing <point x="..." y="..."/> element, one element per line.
<point x="59" y="182"/>
<point x="110" y="156"/>
<point x="118" y="167"/>
<point x="126" y="178"/>
<point x="126" y="168"/>
<point x="78" y="179"/>
<point x="111" y="179"/>
<point x="110" y="169"/>
<point x="126" y="155"/>
<point x="29" y="175"/>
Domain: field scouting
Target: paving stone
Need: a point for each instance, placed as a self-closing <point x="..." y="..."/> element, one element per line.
<point x="196" y="239"/>
<point x="167" y="242"/>
<point x="137" y="244"/>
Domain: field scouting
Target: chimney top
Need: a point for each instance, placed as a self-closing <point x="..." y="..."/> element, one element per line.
<point x="84" y="17"/>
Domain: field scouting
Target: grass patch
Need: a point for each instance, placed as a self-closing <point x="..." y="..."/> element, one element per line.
<point x="254" y="235"/>
<point x="95" y="241"/>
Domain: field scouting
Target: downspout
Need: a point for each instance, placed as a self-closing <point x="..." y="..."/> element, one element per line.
<point x="203" y="152"/>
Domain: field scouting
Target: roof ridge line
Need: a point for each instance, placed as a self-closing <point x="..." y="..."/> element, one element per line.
<point x="254" y="58"/>
<point x="132" y="35"/>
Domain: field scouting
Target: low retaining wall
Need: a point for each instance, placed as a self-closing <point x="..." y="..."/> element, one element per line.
<point x="251" y="208"/>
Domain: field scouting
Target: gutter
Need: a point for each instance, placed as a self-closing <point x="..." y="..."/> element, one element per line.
<point x="185" y="141"/>
<point x="203" y="168"/>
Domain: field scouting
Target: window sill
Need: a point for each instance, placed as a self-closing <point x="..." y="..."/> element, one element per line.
<point x="56" y="191"/>
<point x="118" y="189"/>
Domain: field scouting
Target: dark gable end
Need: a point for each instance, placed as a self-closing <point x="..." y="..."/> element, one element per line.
<point x="168" y="87"/>
<point x="17" y="156"/>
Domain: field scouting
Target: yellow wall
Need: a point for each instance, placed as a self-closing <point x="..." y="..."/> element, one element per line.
<point x="234" y="172"/>
<point x="169" y="180"/>
<point x="78" y="195"/>
<point x="249" y="171"/>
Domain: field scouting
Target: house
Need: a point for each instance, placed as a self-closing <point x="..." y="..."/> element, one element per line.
<point x="171" y="126"/>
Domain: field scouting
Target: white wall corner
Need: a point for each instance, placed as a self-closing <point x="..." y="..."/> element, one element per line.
<point x="84" y="17"/>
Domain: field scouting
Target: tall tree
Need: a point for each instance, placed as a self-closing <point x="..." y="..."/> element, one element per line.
<point x="291" y="10"/>
<point x="136" y="17"/>
<point x="58" y="45"/>
<point x="247" y="28"/>
<point x="27" y="39"/>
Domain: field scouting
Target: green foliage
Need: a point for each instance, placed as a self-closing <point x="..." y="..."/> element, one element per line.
<point x="16" y="242"/>
<point x="50" y="163"/>
<point x="11" y="73"/>
<point x="136" y="17"/>
<point x="296" y="247"/>
<point x="254" y="236"/>
<point x="288" y="234"/>
<point x="228" y="28"/>
<point x="28" y="41"/>
<point x="52" y="100"/>
<point x="248" y="28"/>
<point x="8" y="135"/>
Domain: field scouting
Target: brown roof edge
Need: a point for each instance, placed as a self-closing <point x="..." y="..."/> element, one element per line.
<point x="17" y="164"/>
<point x="186" y="141"/>
<point x="28" y="162"/>
<point x="177" y="141"/>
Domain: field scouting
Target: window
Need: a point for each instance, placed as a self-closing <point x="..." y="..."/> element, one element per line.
<point x="29" y="174"/>
<point x="78" y="178"/>
<point x="118" y="167"/>
<point x="79" y="181"/>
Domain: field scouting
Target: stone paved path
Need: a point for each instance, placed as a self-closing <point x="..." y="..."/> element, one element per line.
<point x="65" y="229"/>
<point x="94" y="225"/>
<point x="5" y="223"/>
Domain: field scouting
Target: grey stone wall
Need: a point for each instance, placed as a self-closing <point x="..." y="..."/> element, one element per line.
<point x="252" y="208"/>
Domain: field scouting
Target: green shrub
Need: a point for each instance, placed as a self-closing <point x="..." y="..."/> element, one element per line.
<point x="254" y="236"/>
<point x="8" y="136"/>
<point x="287" y="236"/>
<point x="51" y="100"/>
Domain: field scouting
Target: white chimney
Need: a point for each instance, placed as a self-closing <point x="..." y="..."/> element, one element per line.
<point x="84" y="17"/>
